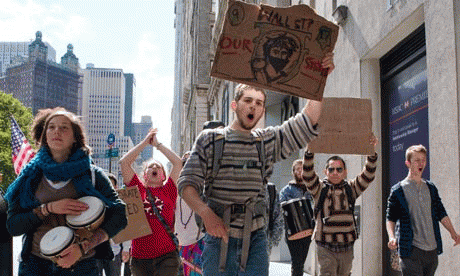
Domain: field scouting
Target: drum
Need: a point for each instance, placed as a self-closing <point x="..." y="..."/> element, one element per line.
<point x="56" y="240"/>
<point x="90" y="219"/>
<point x="298" y="218"/>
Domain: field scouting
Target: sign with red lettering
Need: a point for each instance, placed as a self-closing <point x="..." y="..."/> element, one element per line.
<point x="138" y="226"/>
<point x="279" y="49"/>
<point x="346" y="127"/>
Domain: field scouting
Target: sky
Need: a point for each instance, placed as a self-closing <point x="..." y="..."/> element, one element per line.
<point x="137" y="36"/>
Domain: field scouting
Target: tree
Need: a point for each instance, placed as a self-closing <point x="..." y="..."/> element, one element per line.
<point x="23" y="115"/>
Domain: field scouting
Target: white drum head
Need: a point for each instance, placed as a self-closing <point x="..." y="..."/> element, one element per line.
<point x="56" y="240"/>
<point x="95" y="210"/>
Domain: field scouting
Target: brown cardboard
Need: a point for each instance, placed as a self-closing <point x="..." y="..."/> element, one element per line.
<point x="138" y="225"/>
<point x="345" y="127"/>
<point x="249" y="43"/>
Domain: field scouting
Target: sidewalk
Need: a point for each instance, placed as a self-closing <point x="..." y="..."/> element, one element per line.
<point x="281" y="269"/>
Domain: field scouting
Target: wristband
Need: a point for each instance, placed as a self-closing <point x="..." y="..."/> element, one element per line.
<point x="158" y="145"/>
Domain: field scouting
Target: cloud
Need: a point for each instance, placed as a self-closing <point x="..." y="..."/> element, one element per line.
<point x="58" y="25"/>
<point x="154" y="85"/>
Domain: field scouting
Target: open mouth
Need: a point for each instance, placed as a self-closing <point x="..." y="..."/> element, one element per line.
<point x="251" y="116"/>
<point x="154" y="173"/>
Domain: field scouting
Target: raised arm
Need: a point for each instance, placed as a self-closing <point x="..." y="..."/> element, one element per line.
<point x="175" y="160"/>
<point x="128" y="159"/>
<point x="313" y="108"/>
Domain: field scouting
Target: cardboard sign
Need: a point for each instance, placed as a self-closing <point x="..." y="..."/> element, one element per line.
<point x="280" y="49"/>
<point x="138" y="226"/>
<point x="345" y="127"/>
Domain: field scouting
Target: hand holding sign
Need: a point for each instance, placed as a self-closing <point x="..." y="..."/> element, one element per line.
<point x="281" y="49"/>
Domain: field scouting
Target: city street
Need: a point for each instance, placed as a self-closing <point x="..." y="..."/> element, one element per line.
<point x="276" y="268"/>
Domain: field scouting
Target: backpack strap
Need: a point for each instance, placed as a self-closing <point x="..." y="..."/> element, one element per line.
<point x="218" y="140"/>
<point x="271" y="193"/>
<point x="262" y="158"/>
<point x="351" y="199"/>
<point x="322" y="198"/>
<point x="93" y="176"/>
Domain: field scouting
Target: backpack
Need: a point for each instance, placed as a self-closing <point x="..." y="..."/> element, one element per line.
<point x="322" y="197"/>
<point x="218" y="141"/>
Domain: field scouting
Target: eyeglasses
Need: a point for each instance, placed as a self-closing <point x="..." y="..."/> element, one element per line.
<point x="331" y="169"/>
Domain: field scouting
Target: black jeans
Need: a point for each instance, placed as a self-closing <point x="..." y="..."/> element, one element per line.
<point x="299" y="251"/>
<point x="420" y="263"/>
<point x="165" y="265"/>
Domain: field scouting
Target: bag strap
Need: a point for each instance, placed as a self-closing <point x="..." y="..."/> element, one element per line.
<point x="322" y="198"/>
<point x="161" y="219"/>
<point x="271" y="193"/>
<point x="93" y="176"/>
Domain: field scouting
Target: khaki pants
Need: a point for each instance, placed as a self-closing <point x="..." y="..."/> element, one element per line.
<point x="334" y="264"/>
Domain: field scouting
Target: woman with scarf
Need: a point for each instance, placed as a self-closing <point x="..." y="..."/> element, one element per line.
<point x="47" y="190"/>
<point x="155" y="254"/>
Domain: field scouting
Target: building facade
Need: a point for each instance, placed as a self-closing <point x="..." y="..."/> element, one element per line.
<point x="39" y="83"/>
<point x="403" y="55"/>
<point x="11" y="52"/>
<point x="103" y="113"/>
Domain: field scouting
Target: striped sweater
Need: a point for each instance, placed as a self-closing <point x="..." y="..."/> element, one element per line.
<point x="239" y="177"/>
<point x="336" y="227"/>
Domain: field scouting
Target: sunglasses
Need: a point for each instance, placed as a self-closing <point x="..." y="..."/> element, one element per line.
<point x="331" y="169"/>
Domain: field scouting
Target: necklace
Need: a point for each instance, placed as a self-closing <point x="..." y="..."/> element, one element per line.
<point x="181" y="219"/>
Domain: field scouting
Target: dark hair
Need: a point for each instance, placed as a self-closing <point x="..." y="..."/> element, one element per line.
<point x="213" y="124"/>
<point x="336" y="158"/>
<point x="240" y="88"/>
<point x="77" y="127"/>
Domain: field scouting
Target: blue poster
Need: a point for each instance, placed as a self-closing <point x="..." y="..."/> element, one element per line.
<point x="408" y="117"/>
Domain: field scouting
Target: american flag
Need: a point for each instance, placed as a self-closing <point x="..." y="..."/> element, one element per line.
<point x="22" y="151"/>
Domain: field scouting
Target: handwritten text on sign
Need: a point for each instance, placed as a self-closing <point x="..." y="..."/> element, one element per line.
<point x="275" y="48"/>
<point x="138" y="225"/>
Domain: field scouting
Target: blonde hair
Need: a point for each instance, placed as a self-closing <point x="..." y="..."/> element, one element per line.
<point x="415" y="148"/>
<point x="295" y="163"/>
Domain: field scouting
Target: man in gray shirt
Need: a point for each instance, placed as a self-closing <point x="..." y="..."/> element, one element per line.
<point x="415" y="203"/>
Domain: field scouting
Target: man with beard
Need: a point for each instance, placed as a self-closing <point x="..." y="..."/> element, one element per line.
<point x="235" y="211"/>
<point x="279" y="50"/>
<point x="334" y="197"/>
<point x="415" y="203"/>
<point x="296" y="189"/>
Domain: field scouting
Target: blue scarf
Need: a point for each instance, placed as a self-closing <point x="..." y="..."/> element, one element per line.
<point x="76" y="167"/>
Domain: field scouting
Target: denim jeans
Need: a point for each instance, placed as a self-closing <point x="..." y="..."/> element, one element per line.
<point x="36" y="266"/>
<point x="257" y="263"/>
